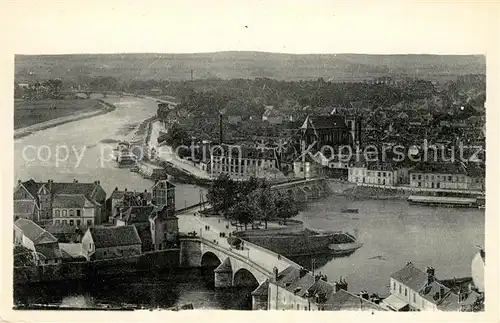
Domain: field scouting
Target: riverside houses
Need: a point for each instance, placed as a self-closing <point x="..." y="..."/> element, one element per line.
<point x="297" y="289"/>
<point x="446" y="176"/>
<point x="415" y="290"/>
<point x="43" y="244"/>
<point x="375" y="173"/>
<point x="243" y="162"/>
<point x="111" y="242"/>
<point x="57" y="202"/>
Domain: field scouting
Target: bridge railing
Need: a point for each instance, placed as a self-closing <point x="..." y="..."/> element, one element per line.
<point x="278" y="256"/>
<point x="239" y="257"/>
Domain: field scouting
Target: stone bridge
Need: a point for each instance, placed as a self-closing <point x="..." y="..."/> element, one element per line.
<point x="250" y="266"/>
<point x="304" y="190"/>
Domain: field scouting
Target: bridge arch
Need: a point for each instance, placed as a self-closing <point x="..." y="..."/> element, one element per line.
<point x="210" y="260"/>
<point x="244" y="278"/>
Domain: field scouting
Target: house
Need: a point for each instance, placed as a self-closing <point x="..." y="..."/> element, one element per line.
<point x="121" y="200"/>
<point x="297" y="289"/>
<point x="306" y="166"/>
<point x="44" y="245"/>
<point x="65" y="233"/>
<point x="164" y="195"/>
<point x="440" y="175"/>
<point x="164" y="226"/>
<point x="330" y="130"/>
<point x="138" y="216"/>
<point x="272" y="115"/>
<point x="412" y="289"/>
<point x="111" y="242"/>
<point x="47" y="202"/>
<point x="241" y="162"/>
<point x="373" y="173"/>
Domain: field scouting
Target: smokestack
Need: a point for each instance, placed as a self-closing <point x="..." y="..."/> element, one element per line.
<point x="220" y="129"/>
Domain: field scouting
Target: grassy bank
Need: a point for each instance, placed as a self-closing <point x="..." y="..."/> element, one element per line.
<point x="28" y="113"/>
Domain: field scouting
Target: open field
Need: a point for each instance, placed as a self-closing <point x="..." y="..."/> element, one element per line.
<point x="248" y="65"/>
<point x="30" y="113"/>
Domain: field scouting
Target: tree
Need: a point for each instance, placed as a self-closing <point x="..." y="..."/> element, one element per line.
<point x="286" y="207"/>
<point x="265" y="200"/>
<point x="245" y="211"/>
<point x="176" y="136"/>
<point x="221" y="194"/>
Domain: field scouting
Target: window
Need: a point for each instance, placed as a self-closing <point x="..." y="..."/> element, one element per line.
<point x="78" y="222"/>
<point x="414" y="297"/>
<point x="400" y="289"/>
<point x="105" y="253"/>
<point x="64" y="222"/>
<point x="89" y="222"/>
<point x="78" y="213"/>
<point x="64" y="213"/>
<point x="406" y="292"/>
<point x="419" y="184"/>
<point x="58" y="213"/>
<point x="394" y="285"/>
<point x="71" y="222"/>
<point x="449" y="180"/>
<point x="58" y="222"/>
<point x="71" y="212"/>
<point x="298" y="307"/>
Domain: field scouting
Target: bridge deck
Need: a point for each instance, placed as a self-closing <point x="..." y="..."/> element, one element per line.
<point x="255" y="254"/>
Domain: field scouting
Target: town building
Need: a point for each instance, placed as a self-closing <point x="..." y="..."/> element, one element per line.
<point x="164" y="195"/>
<point x="272" y="115"/>
<point x="243" y="162"/>
<point x="138" y="216"/>
<point x="384" y="174"/>
<point x="164" y="226"/>
<point x="445" y="176"/>
<point x="44" y="245"/>
<point x="121" y="200"/>
<point x="298" y="289"/>
<point x="111" y="242"/>
<point x="412" y="289"/>
<point x="58" y="202"/>
<point x="330" y="130"/>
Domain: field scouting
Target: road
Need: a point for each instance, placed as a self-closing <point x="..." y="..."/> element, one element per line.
<point x="167" y="154"/>
<point x="188" y="222"/>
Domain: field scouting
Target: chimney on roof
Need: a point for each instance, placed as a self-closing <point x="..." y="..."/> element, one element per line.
<point x="116" y="188"/>
<point x="430" y="274"/>
<point x="125" y="189"/>
<point x="275" y="273"/>
<point x="303" y="272"/>
<point x="364" y="295"/>
<point x="18" y="181"/>
<point x="441" y="292"/>
<point x="75" y="180"/>
<point x="408" y="263"/>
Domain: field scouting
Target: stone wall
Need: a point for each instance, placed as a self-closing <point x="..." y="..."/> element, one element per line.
<point x="190" y="253"/>
<point x="78" y="270"/>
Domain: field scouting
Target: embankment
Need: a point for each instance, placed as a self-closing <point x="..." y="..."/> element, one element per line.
<point x="81" y="270"/>
<point x="26" y="131"/>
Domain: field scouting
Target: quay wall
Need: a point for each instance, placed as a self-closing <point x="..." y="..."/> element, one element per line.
<point x="78" y="270"/>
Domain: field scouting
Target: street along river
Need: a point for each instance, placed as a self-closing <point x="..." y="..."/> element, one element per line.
<point x="392" y="231"/>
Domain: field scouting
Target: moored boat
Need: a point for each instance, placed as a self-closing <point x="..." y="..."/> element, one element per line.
<point x="349" y="210"/>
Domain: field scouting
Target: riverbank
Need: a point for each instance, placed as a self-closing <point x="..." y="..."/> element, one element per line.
<point x="105" y="107"/>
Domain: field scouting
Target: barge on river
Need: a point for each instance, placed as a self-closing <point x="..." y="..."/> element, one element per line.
<point x="445" y="201"/>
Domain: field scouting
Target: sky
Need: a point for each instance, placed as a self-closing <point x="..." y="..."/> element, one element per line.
<point x="379" y="27"/>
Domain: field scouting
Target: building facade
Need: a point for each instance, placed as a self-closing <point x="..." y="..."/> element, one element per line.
<point x="111" y="242"/>
<point x="163" y="194"/>
<point x="374" y="173"/>
<point x="42" y="244"/>
<point x="38" y="201"/>
<point x="446" y="176"/>
<point x="244" y="162"/>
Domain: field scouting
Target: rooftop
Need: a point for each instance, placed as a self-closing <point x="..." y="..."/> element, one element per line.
<point x="345" y="301"/>
<point x="324" y="122"/>
<point x="34" y="232"/>
<point x="104" y="237"/>
<point x="411" y="276"/>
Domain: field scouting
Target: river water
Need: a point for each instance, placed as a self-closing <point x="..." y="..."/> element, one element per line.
<point x="392" y="231"/>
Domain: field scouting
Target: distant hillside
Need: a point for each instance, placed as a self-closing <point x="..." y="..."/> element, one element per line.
<point x="227" y="65"/>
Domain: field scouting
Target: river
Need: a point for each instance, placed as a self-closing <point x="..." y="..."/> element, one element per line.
<point x="392" y="231"/>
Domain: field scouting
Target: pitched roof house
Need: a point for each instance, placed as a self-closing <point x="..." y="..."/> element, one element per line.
<point x="39" y="201"/>
<point x="111" y="242"/>
<point x="43" y="244"/>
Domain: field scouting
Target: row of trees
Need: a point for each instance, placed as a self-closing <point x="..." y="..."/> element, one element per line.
<point x="250" y="201"/>
<point x="49" y="89"/>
